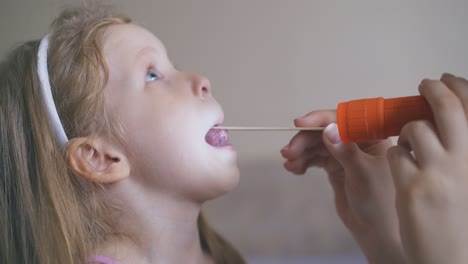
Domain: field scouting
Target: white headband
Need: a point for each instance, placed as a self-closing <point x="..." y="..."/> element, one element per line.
<point x="43" y="74"/>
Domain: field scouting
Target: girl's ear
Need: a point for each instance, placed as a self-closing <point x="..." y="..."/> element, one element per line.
<point x="96" y="160"/>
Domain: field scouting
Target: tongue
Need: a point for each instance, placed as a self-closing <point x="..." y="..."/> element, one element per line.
<point x="217" y="137"/>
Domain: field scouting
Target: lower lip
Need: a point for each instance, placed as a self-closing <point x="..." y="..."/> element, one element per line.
<point x="226" y="147"/>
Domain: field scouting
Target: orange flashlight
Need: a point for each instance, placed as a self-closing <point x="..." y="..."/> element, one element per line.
<point x="379" y="118"/>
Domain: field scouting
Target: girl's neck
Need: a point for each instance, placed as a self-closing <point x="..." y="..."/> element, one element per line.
<point x="163" y="229"/>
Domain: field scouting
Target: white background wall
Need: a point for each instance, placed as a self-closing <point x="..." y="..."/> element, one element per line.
<point x="270" y="61"/>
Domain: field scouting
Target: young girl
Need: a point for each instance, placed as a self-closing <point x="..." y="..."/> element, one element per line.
<point x="120" y="174"/>
<point x="108" y="154"/>
<point x="429" y="167"/>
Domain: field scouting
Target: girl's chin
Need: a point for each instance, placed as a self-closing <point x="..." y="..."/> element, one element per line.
<point x="225" y="183"/>
<point x="232" y="181"/>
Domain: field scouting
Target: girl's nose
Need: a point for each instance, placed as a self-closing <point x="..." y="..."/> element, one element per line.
<point x="201" y="86"/>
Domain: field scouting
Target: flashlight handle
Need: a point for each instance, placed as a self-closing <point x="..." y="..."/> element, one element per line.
<point x="378" y="118"/>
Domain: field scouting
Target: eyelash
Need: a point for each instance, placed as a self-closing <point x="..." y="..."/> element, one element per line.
<point x="155" y="75"/>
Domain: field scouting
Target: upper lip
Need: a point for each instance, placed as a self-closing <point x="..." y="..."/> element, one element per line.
<point x="218" y="121"/>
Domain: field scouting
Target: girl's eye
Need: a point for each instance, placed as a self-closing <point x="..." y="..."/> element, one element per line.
<point x="152" y="76"/>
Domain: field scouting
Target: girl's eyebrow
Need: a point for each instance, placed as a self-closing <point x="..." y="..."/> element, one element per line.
<point x="144" y="52"/>
<point x="151" y="50"/>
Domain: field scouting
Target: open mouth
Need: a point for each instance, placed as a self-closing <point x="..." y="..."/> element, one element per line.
<point x="217" y="137"/>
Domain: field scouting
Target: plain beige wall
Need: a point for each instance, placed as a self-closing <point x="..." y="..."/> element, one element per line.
<point x="270" y="61"/>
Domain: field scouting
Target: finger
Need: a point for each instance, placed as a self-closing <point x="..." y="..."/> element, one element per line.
<point x="300" y="166"/>
<point x="315" y="157"/>
<point x="402" y="166"/>
<point x="349" y="154"/>
<point x="301" y="143"/>
<point x="296" y="167"/>
<point x="307" y="139"/>
<point x="318" y="118"/>
<point x="318" y="150"/>
<point x="459" y="87"/>
<point x="376" y="147"/>
<point x="447" y="110"/>
<point x="421" y="137"/>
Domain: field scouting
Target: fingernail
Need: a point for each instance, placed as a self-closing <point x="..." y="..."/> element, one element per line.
<point x="424" y="81"/>
<point x="299" y="118"/>
<point x="447" y="75"/>
<point x="332" y="134"/>
<point x="306" y="115"/>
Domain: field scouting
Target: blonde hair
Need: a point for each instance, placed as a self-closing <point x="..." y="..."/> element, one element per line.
<point x="47" y="214"/>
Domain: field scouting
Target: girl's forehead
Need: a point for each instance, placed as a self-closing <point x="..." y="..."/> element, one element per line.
<point x="129" y="40"/>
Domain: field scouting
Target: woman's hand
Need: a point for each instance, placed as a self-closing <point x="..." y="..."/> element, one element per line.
<point x="430" y="169"/>
<point x="361" y="180"/>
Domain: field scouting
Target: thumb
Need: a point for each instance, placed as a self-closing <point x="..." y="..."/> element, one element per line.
<point x="344" y="153"/>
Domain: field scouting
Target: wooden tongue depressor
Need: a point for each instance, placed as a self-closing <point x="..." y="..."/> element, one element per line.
<point x="239" y="128"/>
<point x="367" y="119"/>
